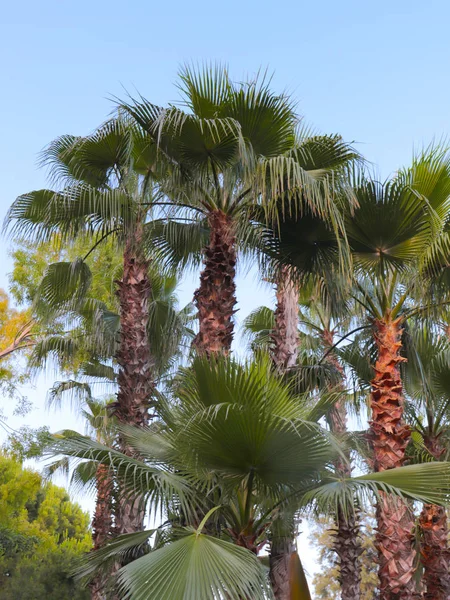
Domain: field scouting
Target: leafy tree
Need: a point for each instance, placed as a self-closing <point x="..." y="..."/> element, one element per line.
<point x="41" y="535"/>
<point x="26" y="442"/>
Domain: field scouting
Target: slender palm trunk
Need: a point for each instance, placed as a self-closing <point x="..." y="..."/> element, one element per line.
<point x="285" y="334"/>
<point x="216" y="297"/>
<point x="435" y="551"/>
<point x="102" y="521"/>
<point x="102" y="524"/>
<point x="389" y="437"/>
<point x="135" y="375"/>
<point x="285" y="354"/>
<point x="347" y="541"/>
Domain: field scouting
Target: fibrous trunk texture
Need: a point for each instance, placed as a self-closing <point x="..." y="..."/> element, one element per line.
<point x="347" y="541"/>
<point x="285" y="333"/>
<point x="134" y="358"/>
<point x="435" y="552"/>
<point x="285" y="353"/>
<point x="102" y="521"/>
<point x="389" y="437"/>
<point x="135" y="375"/>
<point x="215" y="299"/>
<point x="102" y="524"/>
<point x="281" y="549"/>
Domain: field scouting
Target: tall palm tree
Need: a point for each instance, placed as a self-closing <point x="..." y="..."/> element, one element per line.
<point x="318" y="367"/>
<point x="108" y="191"/>
<point x="427" y="379"/>
<point x="302" y="244"/>
<point x="329" y="324"/>
<point x="308" y="242"/>
<point x="395" y="230"/>
<point x="234" y="146"/>
<point x="101" y="425"/>
<point x="208" y="453"/>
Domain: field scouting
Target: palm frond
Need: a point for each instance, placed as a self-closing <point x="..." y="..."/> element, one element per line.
<point x="195" y="567"/>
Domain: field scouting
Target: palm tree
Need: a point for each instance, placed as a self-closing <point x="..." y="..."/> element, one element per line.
<point x="234" y="146"/>
<point x="208" y="452"/>
<point x="395" y="232"/>
<point x="108" y="191"/>
<point x="308" y="243"/>
<point x="318" y="367"/>
<point x="427" y="386"/>
<point x="100" y="427"/>
<point x="329" y="322"/>
<point x="301" y="245"/>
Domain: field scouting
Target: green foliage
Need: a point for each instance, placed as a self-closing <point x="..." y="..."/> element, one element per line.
<point x="27" y="442"/>
<point x="196" y="567"/>
<point x="41" y="535"/>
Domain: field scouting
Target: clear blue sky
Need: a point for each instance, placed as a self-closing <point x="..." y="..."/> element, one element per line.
<point x="376" y="71"/>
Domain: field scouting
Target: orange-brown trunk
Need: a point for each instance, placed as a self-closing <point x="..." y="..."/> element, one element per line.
<point x="102" y="520"/>
<point x="435" y="551"/>
<point x="102" y="525"/>
<point x="389" y="437"/>
<point x="215" y="299"/>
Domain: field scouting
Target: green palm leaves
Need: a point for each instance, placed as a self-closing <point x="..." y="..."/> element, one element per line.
<point x="195" y="567"/>
<point x="234" y="437"/>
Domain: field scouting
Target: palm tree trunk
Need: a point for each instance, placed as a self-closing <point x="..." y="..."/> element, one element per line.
<point x="285" y="334"/>
<point x="135" y="375"/>
<point x="280" y="554"/>
<point x="102" y="523"/>
<point x="215" y="299"/>
<point x="285" y="354"/>
<point x="102" y="520"/>
<point x="435" y="551"/>
<point x="347" y="542"/>
<point x="389" y="437"/>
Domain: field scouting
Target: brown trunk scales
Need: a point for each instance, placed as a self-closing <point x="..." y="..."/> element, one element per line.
<point x="347" y="542"/>
<point x="102" y="524"/>
<point x="285" y="353"/>
<point x="135" y="374"/>
<point x="435" y="552"/>
<point x="215" y="299"/>
<point x="389" y="437"/>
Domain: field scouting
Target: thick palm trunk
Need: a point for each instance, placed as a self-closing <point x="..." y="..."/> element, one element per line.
<point x="347" y="542"/>
<point x="285" y="334"/>
<point x="389" y="437"/>
<point x="285" y="354"/>
<point x="215" y="299"/>
<point x="102" y="524"/>
<point x="280" y="554"/>
<point x="135" y="375"/>
<point x="435" y="551"/>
